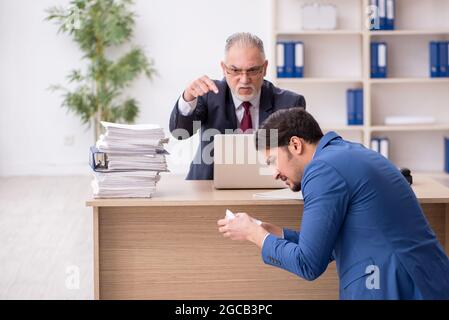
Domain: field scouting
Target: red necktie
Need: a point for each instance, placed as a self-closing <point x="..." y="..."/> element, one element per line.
<point x="247" y="122"/>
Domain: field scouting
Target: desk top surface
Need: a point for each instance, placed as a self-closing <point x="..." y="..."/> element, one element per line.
<point x="173" y="190"/>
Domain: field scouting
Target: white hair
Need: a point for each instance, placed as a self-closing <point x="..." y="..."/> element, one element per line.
<point x="246" y="40"/>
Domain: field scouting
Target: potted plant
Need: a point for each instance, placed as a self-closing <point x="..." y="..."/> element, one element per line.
<point x="98" y="94"/>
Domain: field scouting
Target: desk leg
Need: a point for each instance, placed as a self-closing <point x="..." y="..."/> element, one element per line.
<point x="96" y="254"/>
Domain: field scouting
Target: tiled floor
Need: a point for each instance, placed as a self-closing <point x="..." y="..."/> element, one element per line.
<point x="45" y="238"/>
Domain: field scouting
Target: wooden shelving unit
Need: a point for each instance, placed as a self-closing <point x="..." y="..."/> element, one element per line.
<point x="337" y="60"/>
<point x="290" y="81"/>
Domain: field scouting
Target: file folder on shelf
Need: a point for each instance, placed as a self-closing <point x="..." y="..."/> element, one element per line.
<point x="446" y="44"/>
<point x="373" y="59"/>
<point x="374" y="17"/>
<point x="280" y="60"/>
<point x="375" y="144"/>
<point x="382" y="7"/>
<point x="434" y="59"/>
<point x="285" y="59"/>
<point x="382" y="60"/>
<point x="350" y="103"/>
<point x="289" y="59"/>
<point x="378" y="59"/>
<point x="299" y="60"/>
<point x="354" y="102"/>
<point x="390" y="8"/>
<point x="446" y="154"/>
<point x="384" y="147"/>
<point x="381" y="145"/>
<point x="358" y="106"/>
<point x="443" y="57"/>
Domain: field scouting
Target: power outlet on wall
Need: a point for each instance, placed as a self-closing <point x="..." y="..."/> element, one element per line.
<point x="69" y="140"/>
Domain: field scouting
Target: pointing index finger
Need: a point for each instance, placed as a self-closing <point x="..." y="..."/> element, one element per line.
<point x="210" y="84"/>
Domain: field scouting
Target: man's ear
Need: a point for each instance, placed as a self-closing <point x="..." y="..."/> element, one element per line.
<point x="296" y="145"/>
<point x="223" y="68"/>
<point x="265" y="66"/>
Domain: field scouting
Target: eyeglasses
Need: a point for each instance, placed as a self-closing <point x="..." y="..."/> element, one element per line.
<point x="251" y="72"/>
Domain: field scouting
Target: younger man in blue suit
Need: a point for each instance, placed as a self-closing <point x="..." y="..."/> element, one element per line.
<point x="358" y="210"/>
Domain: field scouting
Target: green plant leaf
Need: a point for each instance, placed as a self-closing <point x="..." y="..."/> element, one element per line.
<point x="96" y="26"/>
<point x="128" y="67"/>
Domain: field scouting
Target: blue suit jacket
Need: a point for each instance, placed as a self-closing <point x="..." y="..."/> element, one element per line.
<point x="217" y="111"/>
<point x="360" y="210"/>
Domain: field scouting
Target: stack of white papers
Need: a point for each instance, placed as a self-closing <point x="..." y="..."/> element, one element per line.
<point x="132" y="139"/>
<point x="135" y="155"/>
<point x="128" y="184"/>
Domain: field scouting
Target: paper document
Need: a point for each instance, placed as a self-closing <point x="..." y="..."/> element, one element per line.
<point x="230" y="215"/>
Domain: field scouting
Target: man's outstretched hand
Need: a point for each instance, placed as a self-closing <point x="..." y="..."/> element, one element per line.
<point x="198" y="88"/>
<point x="241" y="228"/>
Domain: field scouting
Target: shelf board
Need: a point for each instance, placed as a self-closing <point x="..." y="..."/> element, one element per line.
<point x="342" y="128"/>
<point x="410" y="80"/>
<point x="318" y="80"/>
<point x="415" y="127"/>
<point x="319" y="32"/>
<point x="409" y="32"/>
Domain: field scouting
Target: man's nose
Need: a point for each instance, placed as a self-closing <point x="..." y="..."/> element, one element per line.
<point x="276" y="174"/>
<point x="244" y="78"/>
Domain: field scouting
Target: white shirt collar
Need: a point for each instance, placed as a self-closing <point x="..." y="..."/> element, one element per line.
<point x="255" y="102"/>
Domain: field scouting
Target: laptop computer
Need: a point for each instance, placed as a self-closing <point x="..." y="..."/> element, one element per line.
<point x="238" y="165"/>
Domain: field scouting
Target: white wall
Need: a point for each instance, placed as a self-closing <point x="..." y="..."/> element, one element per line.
<point x="185" y="39"/>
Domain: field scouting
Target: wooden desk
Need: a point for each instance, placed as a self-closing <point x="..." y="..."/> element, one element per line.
<point x="168" y="247"/>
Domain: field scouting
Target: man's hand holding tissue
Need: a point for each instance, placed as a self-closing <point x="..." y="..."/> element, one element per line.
<point x="242" y="227"/>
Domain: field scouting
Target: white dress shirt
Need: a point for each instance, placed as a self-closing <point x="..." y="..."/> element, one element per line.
<point x="187" y="108"/>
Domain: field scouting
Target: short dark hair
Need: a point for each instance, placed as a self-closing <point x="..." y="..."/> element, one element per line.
<point x="288" y="123"/>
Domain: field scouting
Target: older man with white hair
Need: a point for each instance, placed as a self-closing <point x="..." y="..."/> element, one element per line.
<point x="242" y="100"/>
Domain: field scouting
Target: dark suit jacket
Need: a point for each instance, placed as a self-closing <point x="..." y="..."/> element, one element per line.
<point x="217" y="111"/>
